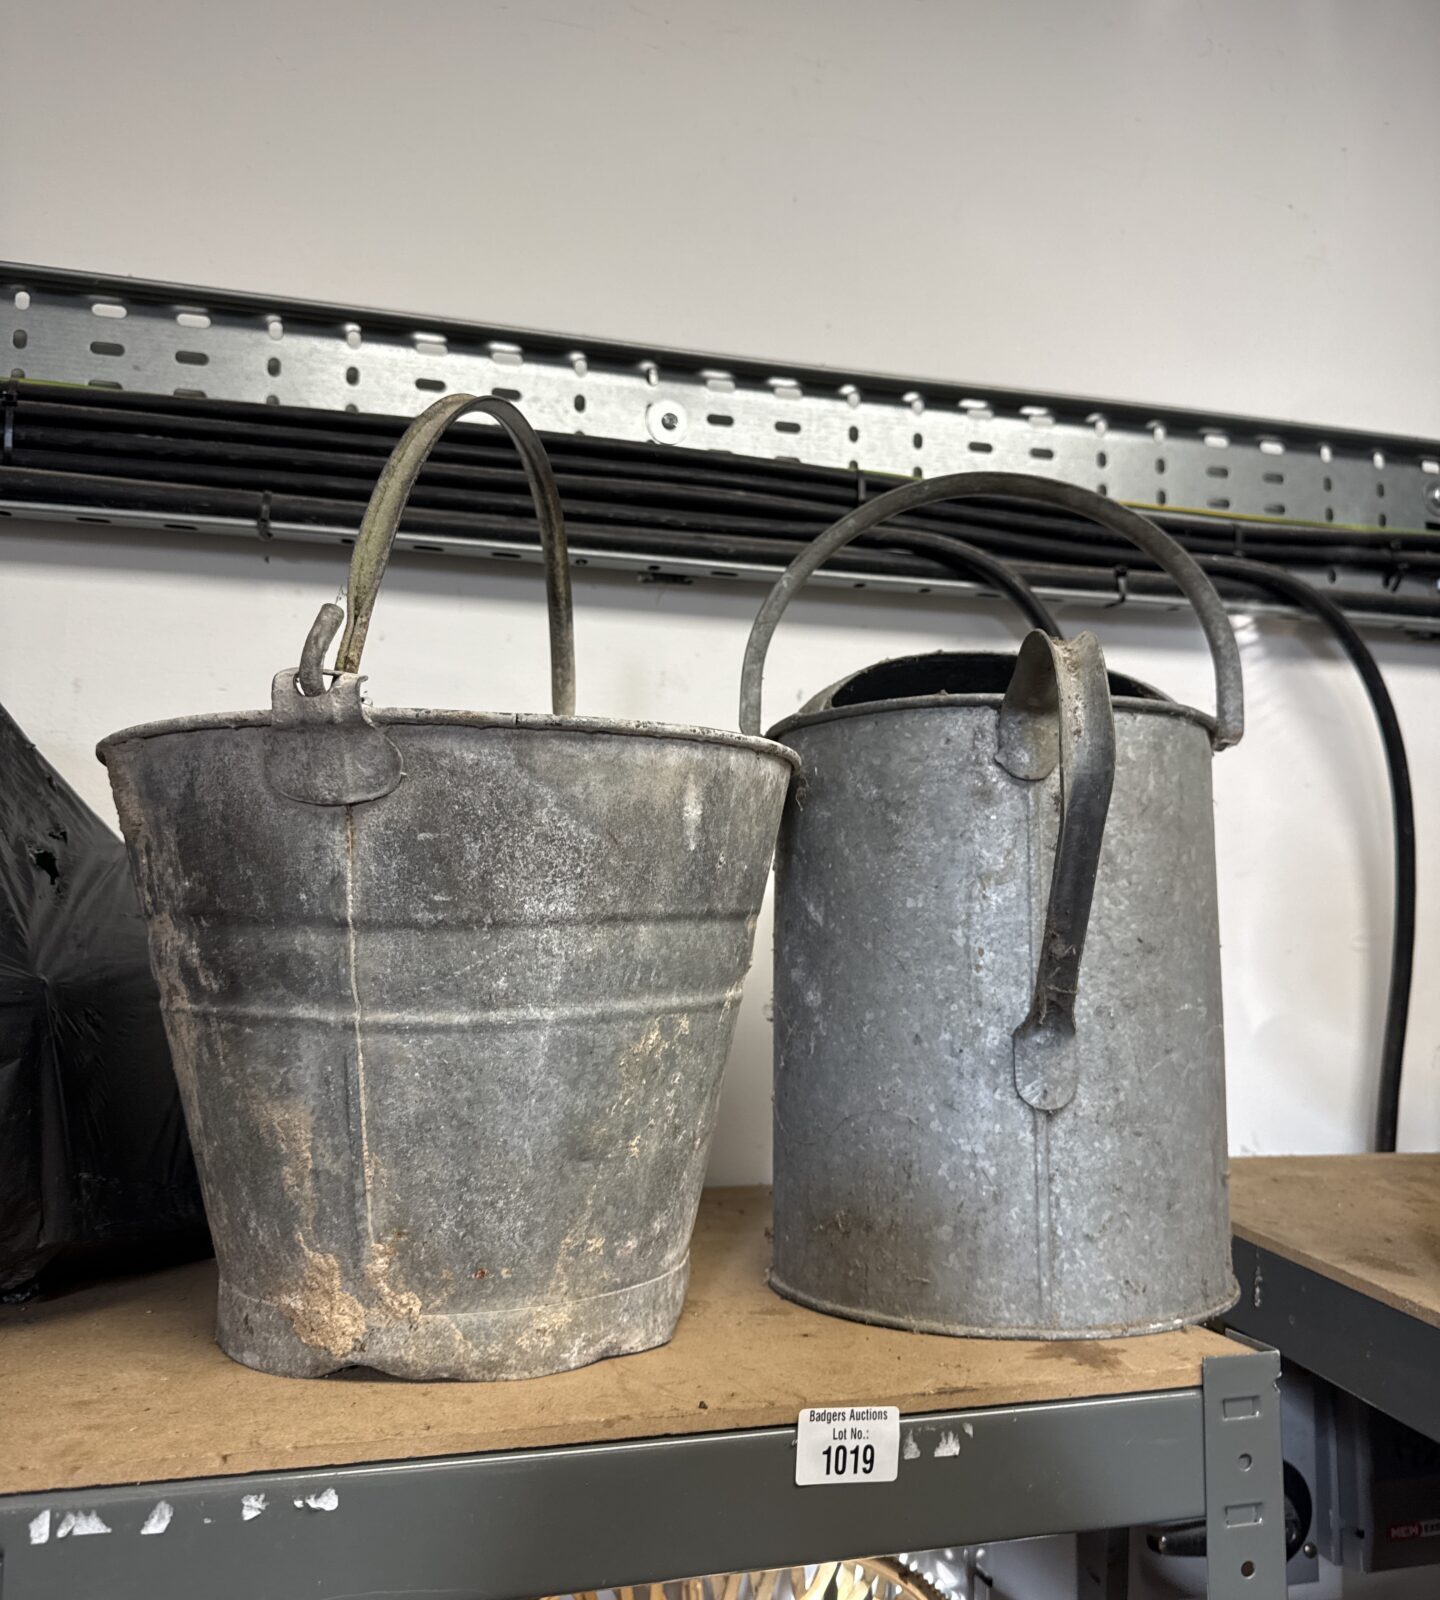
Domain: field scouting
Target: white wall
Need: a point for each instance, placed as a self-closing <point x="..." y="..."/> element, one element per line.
<point x="1222" y="204"/>
<point x="1213" y="205"/>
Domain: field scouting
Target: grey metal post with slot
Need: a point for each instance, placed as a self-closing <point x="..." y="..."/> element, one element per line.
<point x="1244" y="1494"/>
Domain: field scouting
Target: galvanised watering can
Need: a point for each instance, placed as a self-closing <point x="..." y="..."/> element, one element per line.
<point x="999" y="1059"/>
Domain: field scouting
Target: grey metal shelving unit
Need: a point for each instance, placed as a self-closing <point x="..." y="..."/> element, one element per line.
<point x="530" y="1522"/>
<point x="1338" y="1269"/>
<point x="1197" y="1438"/>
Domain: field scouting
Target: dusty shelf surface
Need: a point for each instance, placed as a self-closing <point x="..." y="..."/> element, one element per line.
<point x="1371" y="1222"/>
<point x="123" y="1382"/>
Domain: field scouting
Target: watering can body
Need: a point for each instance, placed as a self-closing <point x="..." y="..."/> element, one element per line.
<point x="915" y="1184"/>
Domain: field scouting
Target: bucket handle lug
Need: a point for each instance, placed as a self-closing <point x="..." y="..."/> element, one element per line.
<point x="1228" y="723"/>
<point x="322" y="747"/>
<point x="323" y="750"/>
<point x="1057" y="714"/>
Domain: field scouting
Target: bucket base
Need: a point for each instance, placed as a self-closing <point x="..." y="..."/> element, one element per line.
<point x="478" y="1346"/>
<point x="881" y="1319"/>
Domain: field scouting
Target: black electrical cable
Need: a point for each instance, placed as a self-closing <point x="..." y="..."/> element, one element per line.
<point x="1402" y="802"/>
<point x="975" y="563"/>
<point x="114" y="451"/>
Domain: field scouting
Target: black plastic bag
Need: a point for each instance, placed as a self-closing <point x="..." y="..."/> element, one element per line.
<point x="94" y="1158"/>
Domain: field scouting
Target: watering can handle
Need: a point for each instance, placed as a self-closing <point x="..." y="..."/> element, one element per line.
<point x="382" y="518"/>
<point x="1057" y="714"/>
<point x="1229" y="720"/>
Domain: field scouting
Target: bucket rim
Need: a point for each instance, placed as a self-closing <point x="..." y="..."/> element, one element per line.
<point x="1172" y="709"/>
<point x="412" y="716"/>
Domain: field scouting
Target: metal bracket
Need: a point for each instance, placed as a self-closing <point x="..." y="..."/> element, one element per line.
<point x="113" y="333"/>
<point x="1244" y="1497"/>
<point x="323" y="749"/>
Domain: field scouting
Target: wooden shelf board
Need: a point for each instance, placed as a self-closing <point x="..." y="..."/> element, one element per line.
<point x="123" y="1383"/>
<point x="1371" y="1222"/>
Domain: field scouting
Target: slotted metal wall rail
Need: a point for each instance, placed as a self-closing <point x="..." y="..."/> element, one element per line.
<point x="229" y="412"/>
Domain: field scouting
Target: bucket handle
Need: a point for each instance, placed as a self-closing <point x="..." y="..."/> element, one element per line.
<point x="322" y="748"/>
<point x="1228" y="723"/>
<point x="1057" y="714"/>
<point x="382" y="519"/>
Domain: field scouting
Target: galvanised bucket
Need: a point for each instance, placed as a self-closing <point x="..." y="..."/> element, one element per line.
<point x="449" y="994"/>
<point x="973" y="1135"/>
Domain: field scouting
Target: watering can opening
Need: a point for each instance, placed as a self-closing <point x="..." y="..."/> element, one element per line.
<point x="983" y="674"/>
